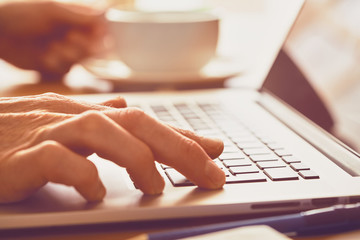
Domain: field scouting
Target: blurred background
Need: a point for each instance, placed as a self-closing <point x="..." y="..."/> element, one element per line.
<point x="324" y="43"/>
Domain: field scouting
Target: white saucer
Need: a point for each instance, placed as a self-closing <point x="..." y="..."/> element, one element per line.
<point x="217" y="70"/>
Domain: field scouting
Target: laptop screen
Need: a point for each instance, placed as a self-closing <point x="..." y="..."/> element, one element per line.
<point x="286" y="82"/>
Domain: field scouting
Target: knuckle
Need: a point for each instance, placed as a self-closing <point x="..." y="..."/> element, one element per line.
<point x="133" y="116"/>
<point x="51" y="95"/>
<point x="41" y="134"/>
<point x="92" y="114"/>
<point x="134" y="113"/>
<point x="189" y="147"/>
<point x="118" y="102"/>
<point x="186" y="132"/>
<point x="122" y="101"/>
<point x="45" y="154"/>
<point x="48" y="147"/>
<point x="90" y="120"/>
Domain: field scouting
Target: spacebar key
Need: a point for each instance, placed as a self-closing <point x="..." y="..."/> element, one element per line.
<point x="177" y="179"/>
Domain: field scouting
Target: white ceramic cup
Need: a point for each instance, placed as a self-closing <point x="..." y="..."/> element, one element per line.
<point x="164" y="41"/>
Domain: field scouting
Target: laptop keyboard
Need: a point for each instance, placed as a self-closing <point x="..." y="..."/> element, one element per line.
<point x="250" y="155"/>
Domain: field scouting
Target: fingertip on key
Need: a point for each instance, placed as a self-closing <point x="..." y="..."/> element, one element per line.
<point x="215" y="174"/>
<point x="158" y="183"/>
<point x="213" y="146"/>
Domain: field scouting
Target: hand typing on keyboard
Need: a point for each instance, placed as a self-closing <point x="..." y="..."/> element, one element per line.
<point x="48" y="137"/>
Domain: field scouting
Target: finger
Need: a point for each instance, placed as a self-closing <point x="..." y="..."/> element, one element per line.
<point x="213" y="147"/>
<point x="171" y="148"/>
<point x="118" y="102"/>
<point x="111" y="142"/>
<point x="50" y="161"/>
<point x="55" y="103"/>
<point x="75" y="14"/>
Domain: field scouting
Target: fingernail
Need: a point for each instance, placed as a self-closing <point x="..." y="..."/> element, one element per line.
<point x="213" y="142"/>
<point x="213" y="146"/>
<point x="215" y="174"/>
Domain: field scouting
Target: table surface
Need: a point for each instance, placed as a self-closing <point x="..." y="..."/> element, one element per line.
<point x="259" y="31"/>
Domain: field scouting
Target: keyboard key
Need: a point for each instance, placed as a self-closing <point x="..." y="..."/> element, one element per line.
<point x="257" y="151"/>
<point x="158" y="108"/>
<point x="177" y="178"/>
<point x="244" y="169"/>
<point x="219" y="164"/>
<point x="282" y="152"/>
<point x="234" y="132"/>
<point x="166" y="118"/>
<point x="237" y="162"/>
<point x="281" y="174"/>
<point x="291" y="159"/>
<point x="164" y="166"/>
<point x="309" y="174"/>
<point x="181" y="105"/>
<point x="175" y="124"/>
<point x="266" y="139"/>
<point x="232" y="155"/>
<point x="200" y="127"/>
<point x="245" y="139"/>
<point x="238" y="165"/>
<point x="250" y="145"/>
<point x="246" y="178"/>
<point x="271" y="164"/>
<point x="163" y="114"/>
<point x="227" y="142"/>
<point x="230" y="149"/>
<point x="264" y="157"/>
<point x="227" y="172"/>
<point x="191" y="116"/>
<point x="299" y="166"/>
<point x="195" y="120"/>
<point x="211" y="132"/>
<point x="275" y="146"/>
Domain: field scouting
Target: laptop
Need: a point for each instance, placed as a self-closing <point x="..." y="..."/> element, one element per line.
<point x="276" y="160"/>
